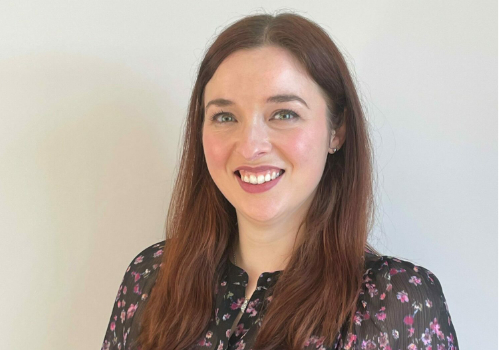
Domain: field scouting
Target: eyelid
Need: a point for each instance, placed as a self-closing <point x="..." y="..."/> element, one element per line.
<point x="286" y="110"/>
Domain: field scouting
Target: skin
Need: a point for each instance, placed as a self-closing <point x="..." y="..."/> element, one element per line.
<point x="253" y="133"/>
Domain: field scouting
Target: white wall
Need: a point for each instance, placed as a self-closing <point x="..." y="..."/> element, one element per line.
<point x="93" y="95"/>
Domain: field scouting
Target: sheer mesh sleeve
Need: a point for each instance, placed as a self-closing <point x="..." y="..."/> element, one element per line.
<point x="401" y="306"/>
<point x="132" y="294"/>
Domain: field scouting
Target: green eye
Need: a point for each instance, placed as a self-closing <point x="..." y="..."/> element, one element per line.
<point x="215" y="118"/>
<point x="287" y="112"/>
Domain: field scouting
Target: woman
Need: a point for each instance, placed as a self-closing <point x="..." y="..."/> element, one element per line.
<point x="266" y="244"/>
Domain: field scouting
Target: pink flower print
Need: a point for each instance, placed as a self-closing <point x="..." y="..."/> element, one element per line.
<point x="137" y="276"/>
<point x="396" y="259"/>
<point x="372" y="290"/>
<point x="115" y="317"/>
<point x="314" y="339"/>
<point x="228" y="333"/>
<point x="105" y="345"/>
<point x="415" y="280"/>
<point x="122" y="316"/>
<point x="119" y="303"/>
<point x="357" y="318"/>
<point x="138" y="260"/>
<point x="403" y="297"/>
<point x="125" y="290"/>
<point x="119" y="294"/>
<point x="351" y="338"/>
<point x="366" y="315"/>
<point x="136" y="289"/>
<point x="382" y="296"/>
<point x="412" y="347"/>
<point x="221" y="345"/>
<point x="241" y="345"/>
<point x="441" y="347"/>
<point x="239" y="329"/>
<point x="389" y="287"/>
<point x="223" y="283"/>
<point x="158" y="253"/>
<point x="128" y="269"/>
<point x="393" y="271"/>
<point x="415" y="268"/>
<point x="368" y="345"/>
<point x="131" y="310"/>
<point x="320" y="341"/>
<point x="428" y="303"/>
<point x="155" y="266"/>
<point x="395" y="334"/>
<point x="112" y="326"/>
<point x="383" y="340"/>
<point x="426" y="337"/>
<point x="237" y="304"/>
<point x="411" y="331"/>
<point x="436" y="329"/>
<point x="209" y="334"/>
<point x="451" y="341"/>
<point x="226" y="317"/>
<point x="408" y="320"/>
<point x="251" y="308"/>
<point x="381" y="316"/>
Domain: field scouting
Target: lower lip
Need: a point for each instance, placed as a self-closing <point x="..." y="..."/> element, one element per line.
<point x="266" y="186"/>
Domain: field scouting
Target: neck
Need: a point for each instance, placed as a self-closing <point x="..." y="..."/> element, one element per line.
<point x="256" y="256"/>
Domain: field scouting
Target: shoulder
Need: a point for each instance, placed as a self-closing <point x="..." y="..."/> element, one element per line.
<point x="399" y="283"/>
<point x="401" y="304"/>
<point x="140" y="270"/>
<point x="146" y="261"/>
<point x="389" y="274"/>
<point x="148" y="256"/>
<point x="138" y="281"/>
<point x="140" y="274"/>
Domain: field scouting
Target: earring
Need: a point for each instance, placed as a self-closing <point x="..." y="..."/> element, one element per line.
<point x="334" y="150"/>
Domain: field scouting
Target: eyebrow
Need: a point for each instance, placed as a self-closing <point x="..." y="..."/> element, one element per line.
<point x="221" y="102"/>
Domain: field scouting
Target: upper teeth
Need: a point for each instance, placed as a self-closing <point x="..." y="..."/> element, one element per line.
<point x="259" y="178"/>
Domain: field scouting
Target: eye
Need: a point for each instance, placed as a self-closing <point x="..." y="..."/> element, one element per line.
<point x="286" y="112"/>
<point x="289" y="112"/>
<point x="218" y="114"/>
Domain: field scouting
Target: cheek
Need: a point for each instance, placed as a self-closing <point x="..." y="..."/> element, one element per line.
<point x="305" y="150"/>
<point x="216" y="152"/>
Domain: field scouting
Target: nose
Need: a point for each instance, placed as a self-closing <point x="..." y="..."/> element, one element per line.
<point x="254" y="142"/>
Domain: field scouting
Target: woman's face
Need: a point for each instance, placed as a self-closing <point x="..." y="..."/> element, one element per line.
<point x="251" y="129"/>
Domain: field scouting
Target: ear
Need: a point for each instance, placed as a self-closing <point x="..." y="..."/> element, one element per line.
<point x="337" y="137"/>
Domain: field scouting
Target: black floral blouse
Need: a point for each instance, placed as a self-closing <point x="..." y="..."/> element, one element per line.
<point x="401" y="306"/>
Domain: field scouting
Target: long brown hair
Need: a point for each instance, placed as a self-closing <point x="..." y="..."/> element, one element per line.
<point x="324" y="273"/>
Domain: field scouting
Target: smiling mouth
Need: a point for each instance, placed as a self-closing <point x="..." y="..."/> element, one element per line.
<point x="237" y="173"/>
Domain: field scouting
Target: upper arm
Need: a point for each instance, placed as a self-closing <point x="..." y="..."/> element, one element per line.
<point x="132" y="293"/>
<point x="403" y="306"/>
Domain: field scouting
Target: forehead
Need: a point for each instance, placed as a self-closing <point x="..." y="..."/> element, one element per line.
<point x="259" y="73"/>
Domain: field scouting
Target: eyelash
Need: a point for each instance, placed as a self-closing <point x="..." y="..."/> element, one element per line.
<point x="291" y="112"/>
